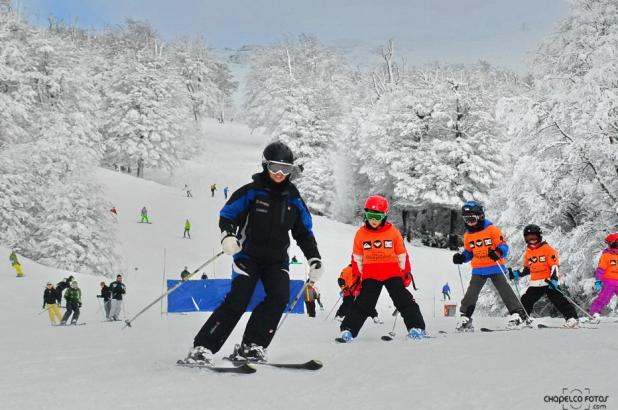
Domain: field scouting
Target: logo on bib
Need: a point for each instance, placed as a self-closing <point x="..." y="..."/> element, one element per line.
<point x="377" y="244"/>
<point x="367" y="245"/>
<point x="388" y="244"/>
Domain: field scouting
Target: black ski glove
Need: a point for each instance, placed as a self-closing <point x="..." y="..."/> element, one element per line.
<point x="79" y="304"/>
<point x="494" y="254"/>
<point x="458" y="259"/>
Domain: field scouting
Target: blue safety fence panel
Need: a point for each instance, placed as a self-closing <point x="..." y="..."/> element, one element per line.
<point x="207" y="295"/>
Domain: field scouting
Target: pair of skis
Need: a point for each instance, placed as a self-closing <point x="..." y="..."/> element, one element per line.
<point x="248" y="367"/>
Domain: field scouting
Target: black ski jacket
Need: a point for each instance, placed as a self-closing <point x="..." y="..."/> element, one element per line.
<point x="262" y="213"/>
<point x="117" y="289"/>
<point x="50" y="297"/>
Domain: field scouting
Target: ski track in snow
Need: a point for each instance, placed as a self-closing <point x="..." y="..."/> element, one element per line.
<point x="101" y="366"/>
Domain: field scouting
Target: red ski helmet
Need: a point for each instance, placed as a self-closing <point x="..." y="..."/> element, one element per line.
<point x="611" y="239"/>
<point x="377" y="203"/>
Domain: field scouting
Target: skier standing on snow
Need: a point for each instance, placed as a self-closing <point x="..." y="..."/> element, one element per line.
<point x="225" y="190"/>
<point x="15" y="264"/>
<point x="187" y="229"/>
<point x="446" y="291"/>
<point x="311" y="296"/>
<point x="117" y="289"/>
<point x="349" y="282"/>
<point x="62" y="285"/>
<point x="51" y="300"/>
<point x="213" y="188"/>
<point x="259" y="216"/>
<point x="185" y="273"/>
<point x="381" y="258"/>
<point x="144" y="214"/>
<point x="606" y="276"/>
<point x="73" y="297"/>
<point x="188" y="190"/>
<point x="106" y="295"/>
<point x="485" y="248"/>
<point x="541" y="262"/>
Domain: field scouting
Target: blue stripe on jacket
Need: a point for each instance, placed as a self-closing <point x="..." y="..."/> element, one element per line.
<point x="234" y="209"/>
<point x="304" y="214"/>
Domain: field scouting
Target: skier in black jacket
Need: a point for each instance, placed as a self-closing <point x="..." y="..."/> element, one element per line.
<point x="255" y="223"/>
<point x="106" y="295"/>
<point x="51" y="301"/>
<point x="117" y="289"/>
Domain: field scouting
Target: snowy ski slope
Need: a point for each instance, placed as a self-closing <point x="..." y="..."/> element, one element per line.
<point x="101" y="366"/>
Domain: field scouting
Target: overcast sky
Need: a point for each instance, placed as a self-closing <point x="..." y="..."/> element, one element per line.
<point x="499" y="31"/>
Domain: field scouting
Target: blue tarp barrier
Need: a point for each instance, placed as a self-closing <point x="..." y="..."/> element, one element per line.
<point x="207" y="295"/>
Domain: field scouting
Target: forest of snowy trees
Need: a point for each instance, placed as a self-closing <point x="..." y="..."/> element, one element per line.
<point x="540" y="148"/>
<point x="71" y="100"/>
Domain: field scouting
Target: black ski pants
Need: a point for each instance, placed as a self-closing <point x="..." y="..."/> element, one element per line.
<point x="534" y="293"/>
<point x="345" y="306"/>
<point x="72" y="309"/>
<point x="365" y="304"/>
<point x="265" y="317"/>
<point x="310" y="308"/>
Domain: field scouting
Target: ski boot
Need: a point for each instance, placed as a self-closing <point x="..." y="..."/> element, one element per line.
<point x="572" y="323"/>
<point x="417" y="334"/>
<point x="465" y="325"/>
<point x="198" y="355"/>
<point x="516" y="321"/>
<point x="596" y="319"/>
<point x="345" y="337"/>
<point x="249" y="352"/>
<point x="377" y="321"/>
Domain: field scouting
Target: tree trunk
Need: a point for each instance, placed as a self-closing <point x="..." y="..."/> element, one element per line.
<point x="140" y="168"/>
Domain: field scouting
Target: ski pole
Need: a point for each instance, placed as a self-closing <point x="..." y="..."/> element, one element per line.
<point x="334" y="306"/>
<point x="519" y="298"/>
<point x="571" y="300"/>
<point x="293" y="304"/>
<point x="392" y="332"/>
<point x="42" y="311"/>
<point x="463" y="290"/>
<point x="128" y="322"/>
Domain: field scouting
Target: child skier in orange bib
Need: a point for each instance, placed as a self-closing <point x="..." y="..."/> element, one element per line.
<point x="382" y="260"/>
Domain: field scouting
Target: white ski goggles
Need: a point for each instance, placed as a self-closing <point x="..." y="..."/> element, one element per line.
<point x="277" y="167"/>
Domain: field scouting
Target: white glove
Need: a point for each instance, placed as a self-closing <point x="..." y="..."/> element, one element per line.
<point x="315" y="269"/>
<point x="230" y="244"/>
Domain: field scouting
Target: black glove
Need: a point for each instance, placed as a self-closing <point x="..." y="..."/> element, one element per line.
<point x="494" y="254"/>
<point x="341" y="282"/>
<point x="514" y="274"/>
<point x="458" y="259"/>
<point x="43" y="306"/>
<point x="99" y="296"/>
<point x="525" y="272"/>
<point x="79" y="304"/>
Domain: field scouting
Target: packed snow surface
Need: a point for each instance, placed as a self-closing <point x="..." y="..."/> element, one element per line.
<point x="101" y="366"/>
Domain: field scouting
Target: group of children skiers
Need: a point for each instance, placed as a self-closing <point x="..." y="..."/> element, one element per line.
<point x="255" y="223"/>
<point x="112" y="296"/>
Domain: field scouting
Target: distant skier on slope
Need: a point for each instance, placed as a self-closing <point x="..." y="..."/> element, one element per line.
<point x="15" y="264"/>
<point x="117" y="289"/>
<point x="541" y="262"/>
<point x="446" y="291"/>
<point x="188" y="191"/>
<point x="213" y="188"/>
<point x="606" y="276"/>
<point x="381" y="258"/>
<point x="264" y="210"/>
<point x="311" y="297"/>
<point x="73" y="297"/>
<point x="144" y="215"/>
<point x="485" y="247"/>
<point x="106" y="295"/>
<point x="185" y="273"/>
<point x="62" y="285"/>
<point x="187" y="232"/>
<point x="51" y="302"/>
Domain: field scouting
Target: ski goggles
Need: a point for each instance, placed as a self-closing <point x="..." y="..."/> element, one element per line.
<point x="471" y="219"/>
<point x="277" y="167"/>
<point x="374" y="216"/>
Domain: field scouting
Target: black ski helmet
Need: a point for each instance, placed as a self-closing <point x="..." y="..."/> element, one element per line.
<point x="533" y="230"/>
<point x="277" y="151"/>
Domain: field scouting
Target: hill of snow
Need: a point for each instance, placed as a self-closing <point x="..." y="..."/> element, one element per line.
<point x="101" y="366"/>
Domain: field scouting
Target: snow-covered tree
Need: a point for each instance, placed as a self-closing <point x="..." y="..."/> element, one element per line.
<point x="565" y="144"/>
